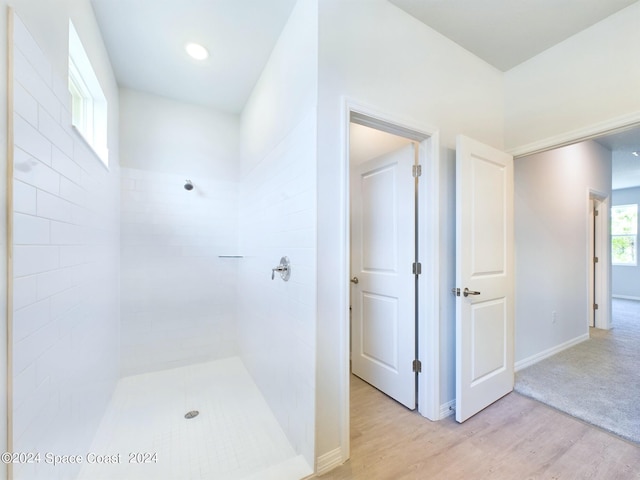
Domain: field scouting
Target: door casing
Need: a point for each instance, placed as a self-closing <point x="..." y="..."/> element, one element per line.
<point x="602" y="249"/>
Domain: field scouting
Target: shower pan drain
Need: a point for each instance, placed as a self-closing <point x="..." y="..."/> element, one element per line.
<point x="191" y="414"/>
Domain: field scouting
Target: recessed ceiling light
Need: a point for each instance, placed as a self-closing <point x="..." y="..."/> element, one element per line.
<point x="196" y="51"/>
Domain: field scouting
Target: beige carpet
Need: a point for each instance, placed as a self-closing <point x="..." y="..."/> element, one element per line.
<point x="597" y="381"/>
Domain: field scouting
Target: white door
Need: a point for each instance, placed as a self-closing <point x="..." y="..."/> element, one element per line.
<point x="382" y="255"/>
<point x="484" y="276"/>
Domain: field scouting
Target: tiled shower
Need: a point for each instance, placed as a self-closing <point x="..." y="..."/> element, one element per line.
<point x="120" y="273"/>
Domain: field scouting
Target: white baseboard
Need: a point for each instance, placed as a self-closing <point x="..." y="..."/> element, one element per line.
<point x="447" y="409"/>
<point x="329" y="461"/>
<point x="549" y="352"/>
<point x="626" y="297"/>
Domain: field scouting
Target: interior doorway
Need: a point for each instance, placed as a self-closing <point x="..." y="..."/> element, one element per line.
<point x="384" y="245"/>
<point x="427" y="207"/>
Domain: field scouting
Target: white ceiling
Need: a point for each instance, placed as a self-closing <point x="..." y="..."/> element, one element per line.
<point x="626" y="170"/>
<point x="145" y="40"/>
<point x="507" y="32"/>
<point x="626" y="165"/>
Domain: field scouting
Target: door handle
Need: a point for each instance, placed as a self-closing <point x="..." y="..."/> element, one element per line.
<point x="466" y="292"/>
<point x="355" y="280"/>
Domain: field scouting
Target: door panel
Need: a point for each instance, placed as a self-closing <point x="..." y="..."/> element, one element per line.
<point x="484" y="266"/>
<point x="380" y="330"/>
<point x="489" y="333"/>
<point x="379" y="196"/>
<point x="382" y="252"/>
<point x="487" y="184"/>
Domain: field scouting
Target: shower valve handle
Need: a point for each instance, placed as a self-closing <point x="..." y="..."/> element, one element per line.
<point x="284" y="269"/>
<point x="279" y="268"/>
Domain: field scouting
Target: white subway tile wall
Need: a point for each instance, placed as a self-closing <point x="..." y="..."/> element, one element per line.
<point x="178" y="295"/>
<point x="65" y="266"/>
<point x="276" y="319"/>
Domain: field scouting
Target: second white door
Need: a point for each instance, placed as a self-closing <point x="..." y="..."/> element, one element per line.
<point x="484" y="276"/>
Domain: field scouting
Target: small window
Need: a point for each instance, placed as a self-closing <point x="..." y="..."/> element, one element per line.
<point x="624" y="233"/>
<point x="88" y="103"/>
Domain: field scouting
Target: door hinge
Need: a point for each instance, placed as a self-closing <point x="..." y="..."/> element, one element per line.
<point x="417" y="366"/>
<point x="417" y="268"/>
<point x="596" y="213"/>
<point x="595" y="306"/>
<point x="595" y="260"/>
<point x="417" y="170"/>
<point x="455" y="291"/>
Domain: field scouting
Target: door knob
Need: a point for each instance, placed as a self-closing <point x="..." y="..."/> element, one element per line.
<point x="355" y="280"/>
<point x="466" y="292"/>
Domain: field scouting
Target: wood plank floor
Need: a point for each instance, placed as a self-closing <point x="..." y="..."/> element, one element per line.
<point x="515" y="438"/>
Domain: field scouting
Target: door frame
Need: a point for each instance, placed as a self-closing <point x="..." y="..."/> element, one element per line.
<point x="428" y="244"/>
<point x="602" y="250"/>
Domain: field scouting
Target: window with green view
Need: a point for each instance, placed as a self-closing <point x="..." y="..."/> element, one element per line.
<point x="624" y="229"/>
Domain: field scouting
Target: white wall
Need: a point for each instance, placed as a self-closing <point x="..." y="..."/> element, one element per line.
<point x="625" y="279"/>
<point x="168" y="136"/>
<point x="377" y="55"/>
<point x="591" y="77"/>
<point x="178" y="296"/>
<point x="276" y="320"/>
<point x="66" y="251"/>
<point x="551" y="237"/>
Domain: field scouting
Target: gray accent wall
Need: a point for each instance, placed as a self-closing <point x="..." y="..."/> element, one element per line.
<point x="551" y="237"/>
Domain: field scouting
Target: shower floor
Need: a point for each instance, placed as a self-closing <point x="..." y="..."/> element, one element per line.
<point x="234" y="437"/>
